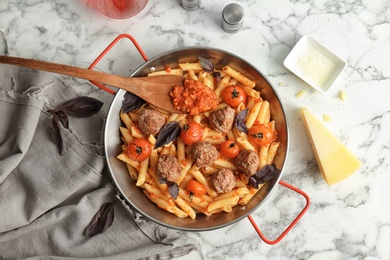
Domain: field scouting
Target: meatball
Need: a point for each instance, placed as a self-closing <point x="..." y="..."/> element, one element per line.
<point x="168" y="167"/>
<point x="222" y="120"/>
<point x="223" y="181"/>
<point x="247" y="162"/>
<point x="150" y="121"/>
<point x="204" y="153"/>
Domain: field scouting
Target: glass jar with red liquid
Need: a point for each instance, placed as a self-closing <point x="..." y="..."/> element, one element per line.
<point x="119" y="9"/>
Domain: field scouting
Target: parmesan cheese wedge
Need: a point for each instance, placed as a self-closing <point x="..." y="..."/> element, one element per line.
<point x="334" y="160"/>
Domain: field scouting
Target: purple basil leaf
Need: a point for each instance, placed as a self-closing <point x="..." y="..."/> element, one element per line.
<point x="266" y="173"/>
<point x="239" y="121"/>
<point x="206" y="64"/>
<point x="168" y="133"/>
<point x="253" y="182"/>
<point x="63" y="118"/>
<point x="263" y="175"/>
<point x="102" y="220"/>
<point x="131" y="102"/>
<point x="172" y="187"/>
<point x="217" y="75"/>
<point x="266" y="170"/>
<point x="81" y="107"/>
<point x="55" y="132"/>
<point x="173" y="190"/>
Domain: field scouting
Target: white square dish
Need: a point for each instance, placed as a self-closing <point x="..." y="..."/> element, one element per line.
<point x="314" y="63"/>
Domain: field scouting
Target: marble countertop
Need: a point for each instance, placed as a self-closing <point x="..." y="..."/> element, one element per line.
<point x="348" y="220"/>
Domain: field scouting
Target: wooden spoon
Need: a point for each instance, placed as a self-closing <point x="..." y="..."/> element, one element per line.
<point x="154" y="90"/>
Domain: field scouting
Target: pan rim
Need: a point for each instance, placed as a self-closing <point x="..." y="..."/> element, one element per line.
<point x="138" y="72"/>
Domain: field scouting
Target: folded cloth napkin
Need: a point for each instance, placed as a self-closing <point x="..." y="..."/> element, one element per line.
<point x="47" y="200"/>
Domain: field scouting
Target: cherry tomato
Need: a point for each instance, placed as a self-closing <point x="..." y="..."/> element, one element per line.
<point x="196" y="188"/>
<point x="233" y="95"/>
<point x="229" y="149"/>
<point x="191" y="133"/>
<point x="261" y="135"/>
<point x="139" y="149"/>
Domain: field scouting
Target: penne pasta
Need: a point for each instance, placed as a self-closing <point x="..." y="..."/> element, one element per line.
<point x="193" y="66"/>
<point x="221" y="163"/>
<point x="126" y="119"/>
<point x="166" y="72"/>
<point x="142" y="172"/>
<point x="253" y="114"/>
<point x="132" y="171"/>
<point x="251" y="92"/>
<point x="189" y="203"/>
<point x="238" y="76"/>
<point x="125" y="158"/>
<point x="245" y="144"/>
<point x="217" y="204"/>
<point x="273" y="148"/>
<point x="126" y="134"/>
<point x="200" y="178"/>
<point x="222" y="85"/>
<point x="263" y="154"/>
<point x="261" y="118"/>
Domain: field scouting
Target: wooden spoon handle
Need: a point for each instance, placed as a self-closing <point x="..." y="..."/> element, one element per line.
<point x="155" y="90"/>
<point x="101" y="77"/>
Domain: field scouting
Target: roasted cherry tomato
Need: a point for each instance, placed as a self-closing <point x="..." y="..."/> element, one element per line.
<point x="196" y="188"/>
<point x="229" y="149"/>
<point x="233" y="95"/>
<point x="139" y="149"/>
<point x="191" y="133"/>
<point x="261" y="135"/>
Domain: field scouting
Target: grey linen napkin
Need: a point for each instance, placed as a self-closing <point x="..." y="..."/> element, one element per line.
<point x="47" y="200"/>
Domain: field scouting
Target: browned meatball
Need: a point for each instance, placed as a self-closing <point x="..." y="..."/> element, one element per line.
<point x="247" y="162"/>
<point x="223" y="181"/>
<point x="150" y="121"/>
<point x="204" y="153"/>
<point x="222" y="120"/>
<point x="168" y="167"/>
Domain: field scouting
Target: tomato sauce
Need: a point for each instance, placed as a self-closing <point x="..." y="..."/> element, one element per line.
<point x="193" y="97"/>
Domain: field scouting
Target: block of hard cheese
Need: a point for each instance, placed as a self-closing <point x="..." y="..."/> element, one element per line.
<point x="334" y="160"/>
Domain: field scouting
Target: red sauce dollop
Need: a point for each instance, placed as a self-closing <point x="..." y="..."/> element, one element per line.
<point x="193" y="97"/>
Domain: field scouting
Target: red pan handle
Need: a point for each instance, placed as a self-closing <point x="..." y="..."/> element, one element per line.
<point x="121" y="36"/>
<point x="273" y="242"/>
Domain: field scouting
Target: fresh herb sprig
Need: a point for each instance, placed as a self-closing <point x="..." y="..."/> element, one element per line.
<point x="263" y="175"/>
<point x="102" y="220"/>
<point x="77" y="107"/>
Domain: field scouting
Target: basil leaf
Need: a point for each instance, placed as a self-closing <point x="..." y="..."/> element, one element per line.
<point x="217" y="75"/>
<point x="55" y="132"/>
<point x="81" y="107"/>
<point x="173" y="190"/>
<point x="63" y="118"/>
<point x="263" y="175"/>
<point x="131" y="102"/>
<point x="239" y="121"/>
<point x="77" y="107"/>
<point x="168" y="133"/>
<point x="206" y="64"/>
<point x="102" y="220"/>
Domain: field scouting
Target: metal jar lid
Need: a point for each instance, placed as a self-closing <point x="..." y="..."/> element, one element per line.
<point x="190" y="5"/>
<point x="232" y="18"/>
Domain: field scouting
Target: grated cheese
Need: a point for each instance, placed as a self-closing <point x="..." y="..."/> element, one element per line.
<point x="326" y="118"/>
<point x="342" y="95"/>
<point x="315" y="66"/>
<point x="300" y="94"/>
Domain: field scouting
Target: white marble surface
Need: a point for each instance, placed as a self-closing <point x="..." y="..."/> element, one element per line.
<point x="349" y="220"/>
